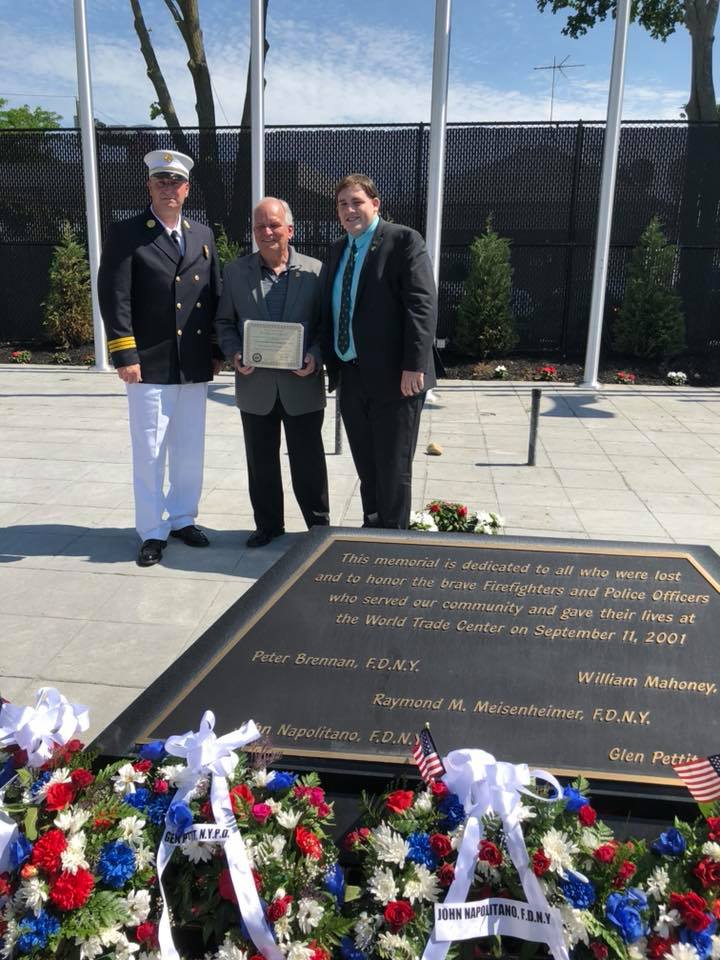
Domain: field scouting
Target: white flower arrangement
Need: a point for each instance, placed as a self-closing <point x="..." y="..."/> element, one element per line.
<point x="500" y="372"/>
<point x="422" y="520"/>
<point x="676" y="377"/>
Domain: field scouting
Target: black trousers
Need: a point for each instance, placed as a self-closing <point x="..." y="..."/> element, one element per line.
<point x="308" y="470"/>
<point x="383" y="435"/>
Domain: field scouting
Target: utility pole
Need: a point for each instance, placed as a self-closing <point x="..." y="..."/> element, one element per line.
<point x="558" y="68"/>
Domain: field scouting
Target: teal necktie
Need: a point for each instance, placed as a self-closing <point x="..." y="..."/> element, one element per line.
<point x="344" y="321"/>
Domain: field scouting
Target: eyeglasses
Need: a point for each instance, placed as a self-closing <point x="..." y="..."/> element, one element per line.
<point x="173" y="182"/>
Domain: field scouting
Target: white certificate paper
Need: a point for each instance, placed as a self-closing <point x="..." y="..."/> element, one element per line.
<point x="275" y="345"/>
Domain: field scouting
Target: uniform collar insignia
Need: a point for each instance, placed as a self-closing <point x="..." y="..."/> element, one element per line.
<point x="150" y="224"/>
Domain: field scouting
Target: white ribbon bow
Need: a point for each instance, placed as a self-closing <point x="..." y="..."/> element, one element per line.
<point x="39" y="730"/>
<point x="209" y="755"/>
<point x="484" y="787"/>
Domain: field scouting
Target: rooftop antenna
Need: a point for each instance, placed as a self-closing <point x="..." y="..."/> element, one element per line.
<point x="558" y="68"/>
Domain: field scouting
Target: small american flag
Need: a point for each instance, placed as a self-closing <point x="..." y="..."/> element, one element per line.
<point x="426" y="757"/>
<point x="701" y="777"/>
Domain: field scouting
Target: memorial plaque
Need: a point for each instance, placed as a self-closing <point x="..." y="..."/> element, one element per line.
<point x="575" y="656"/>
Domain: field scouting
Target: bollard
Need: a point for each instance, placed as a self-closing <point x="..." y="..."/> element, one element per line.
<point x="534" y="414"/>
<point x="338" y="422"/>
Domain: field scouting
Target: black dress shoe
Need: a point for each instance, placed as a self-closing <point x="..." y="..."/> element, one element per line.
<point x="150" y="552"/>
<point x="192" y="536"/>
<point x="261" y="538"/>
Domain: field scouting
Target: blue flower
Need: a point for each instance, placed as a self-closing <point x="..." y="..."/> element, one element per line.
<point x="281" y="780"/>
<point x="157" y="808"/>
<point x="574" y="799"/>
<point x="421" y="851"/>
<point x="623" y="911"/>
<point x="335" y="882"/>
<point x="34" y="931"/>
<point x="179" y="817"/>
<point x="116" y="864"/>
<point x="671" y="843"/>
<point x="39" y="783"/>
<point x="138" y="799"/>
<point x="453" y="810"/>
<point x="577" y="892"/>
<point x="152" y="751"/>
<point x="348" y="950"/>
<point x="20" y="850"/>
<point x="702" y="940"/>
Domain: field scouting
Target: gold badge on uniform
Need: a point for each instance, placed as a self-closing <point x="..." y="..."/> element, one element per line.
<point x="206" y="251"/>
<point x="186" y="224"/>
<point x="149" y="224"/>
<point x="167" y="157"/>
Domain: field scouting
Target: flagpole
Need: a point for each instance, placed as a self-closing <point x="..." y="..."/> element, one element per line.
<point x="257" y="106"/>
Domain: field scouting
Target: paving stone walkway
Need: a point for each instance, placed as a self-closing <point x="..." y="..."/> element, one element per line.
<point x="627" y="463"/>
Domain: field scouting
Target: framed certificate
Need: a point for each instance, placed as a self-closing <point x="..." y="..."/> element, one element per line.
<point x="275" y="345"/>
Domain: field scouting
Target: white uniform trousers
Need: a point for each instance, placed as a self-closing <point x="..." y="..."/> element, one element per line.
<point x="167" y="423"/>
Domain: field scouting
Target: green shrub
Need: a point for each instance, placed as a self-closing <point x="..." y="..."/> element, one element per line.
<point x="485" y="323"/>
<point x="227" y="249"/>
<point x="650" y="324"/>
<point x="68" y="308"/>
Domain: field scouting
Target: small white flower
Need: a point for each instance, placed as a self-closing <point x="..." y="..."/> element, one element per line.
<point x="423" y="802"/>
<point x="230" y="951"/>
<point x="131" y="829"/>
<point x="144" y="856"/>
<point x="389" y="846"/>
<point x="667" y="921"/>
<point x="393" y="946"/>
<point x="559" y="848"/>
<point x="712" y="850"/>
<point x="310" y="913"/>
<point x="682" y="951"/>
<point x="198" y="852"/>
<point x="422" y="520"/>
<point x="126" y="778"/>
<point x="298" y="951"/>
<point x="31" y="894"/>
<point x="171" y="772"/>
<point x="715" y="948"/>
<point x="261" y="778"/>
<point x="282" y="929"/>
<point x="9" y="938"/>
<point x="574" y="929"/>
<point x="138" y="907"/>
<point x="525" y="813"/>
<point x="70" y="820"/>
<point x="489" y="874"/>
<point x="382" y="885"/>
<point x="423" y="885"/>
<point x="364" y="930"/>
<point x="637" y="950"/>
<point x="288" y="819"/>
<point x="270" y="850"/>
<point x="73" y="856"/>
<point x="124" y="949"/>
<point x="657" y="883"/>
<point x="90" y="948"/>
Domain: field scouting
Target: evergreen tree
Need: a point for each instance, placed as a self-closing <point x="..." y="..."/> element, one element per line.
<point x="650" y="324"/>
<point x="485" y="323"/>
<point x="68" y="308"/>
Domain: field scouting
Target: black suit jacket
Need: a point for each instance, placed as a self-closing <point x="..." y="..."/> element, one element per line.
<point x="158" y="307"/>
<point x="395" y="314"/>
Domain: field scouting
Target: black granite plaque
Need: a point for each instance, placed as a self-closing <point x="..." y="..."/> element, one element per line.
<point x="574" y="656"/>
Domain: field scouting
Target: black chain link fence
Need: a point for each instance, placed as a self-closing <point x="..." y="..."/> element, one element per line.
<point x="538" y="182"/>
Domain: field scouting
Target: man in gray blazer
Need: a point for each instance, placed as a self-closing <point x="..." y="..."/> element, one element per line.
<point x="277" y="284"/>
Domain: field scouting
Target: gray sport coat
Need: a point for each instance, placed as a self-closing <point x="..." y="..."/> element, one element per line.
<point x="242" y="300"/>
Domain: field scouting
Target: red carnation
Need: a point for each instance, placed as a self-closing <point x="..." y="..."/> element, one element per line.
<point x="46" y="852"/>
<point x="441" y="845"/>
<point x="307" y="843"/>
<point x="625" y="871"/>
<point x="318" y="952"/>
<point x="316" y="796"/>
<point x="587" y="816"/>
<point x="446" y="874"/>
<point x="439" y="789"/>
<point x="241" y="797"/>
<point x="462" y="511"/>
<point x="225" y="887"/>
<point x="686" y="901"/>
<point x="102" y="823"/>
<point x="81" y="778"/>
<point x="658" y="946"/>
<point x="713" y="828"/>
<point x="142" y="766"/>
<point x="356" y="838"/>
<point x="261" y="812"/>
<point x="434" y="508"/>
<point x="708" y="872"/>
<point x="72" y="890"/>
<point x="161" y="786"/>
<point x="278" y="908"/>
<point x="605" y="853"/>
<point x="540" y="862"/>
<point x="59" y="796"/>
<point x="397" y="914"/>
<point x="599" y="950"/>
<point x="147" y="933"/>
<point x="488" y="852"/>
<point x="399" y="800"/>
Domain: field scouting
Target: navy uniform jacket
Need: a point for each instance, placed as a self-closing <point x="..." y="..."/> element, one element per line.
<point x="158" y="307"/>
<point x="395" y="315"/>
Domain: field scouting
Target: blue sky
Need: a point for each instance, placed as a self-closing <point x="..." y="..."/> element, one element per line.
<point x="329" y="63"/>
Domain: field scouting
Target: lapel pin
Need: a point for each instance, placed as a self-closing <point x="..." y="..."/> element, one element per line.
<point x="149" y="224"/>
<point x="186" y="224"/>
<point x="206" y="251"/>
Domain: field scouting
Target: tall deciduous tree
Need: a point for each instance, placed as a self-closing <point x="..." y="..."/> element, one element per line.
<point x="660" y="18"/>
<point x="27" y="118"/>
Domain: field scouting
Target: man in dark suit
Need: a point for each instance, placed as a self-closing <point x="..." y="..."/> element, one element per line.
<point x="158" y="287"/>
<point x="277" y="284"/>
<point x="379" y="321"/>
